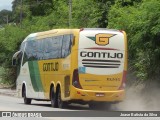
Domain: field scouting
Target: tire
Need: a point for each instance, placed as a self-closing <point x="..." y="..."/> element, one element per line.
<point x="26" y="100"/>
<point x="54" y="102"/>
<point x="61" y="104"/>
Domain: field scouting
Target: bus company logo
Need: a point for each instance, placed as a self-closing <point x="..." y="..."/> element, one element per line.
<point x="102" y="38"/>
<point x="6" y="114"/>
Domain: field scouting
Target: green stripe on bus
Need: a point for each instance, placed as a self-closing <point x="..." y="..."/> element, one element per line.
<point x="35" y="76"/>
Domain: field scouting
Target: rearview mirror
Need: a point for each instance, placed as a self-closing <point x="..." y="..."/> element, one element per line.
<point x="16" y="58"/>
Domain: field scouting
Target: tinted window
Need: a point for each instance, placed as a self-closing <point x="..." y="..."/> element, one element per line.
<point x="53" y="47"/>
<point x="22" y="46"/>
<point x="40" y="50"/>
<point x="48" y="48"/>
<point x="31" y="50"/>
<point x="66" y="47"/>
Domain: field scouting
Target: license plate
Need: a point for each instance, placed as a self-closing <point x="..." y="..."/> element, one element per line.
<point x="99" y="94"/>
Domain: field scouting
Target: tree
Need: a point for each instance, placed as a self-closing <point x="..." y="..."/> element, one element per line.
<point x="40" y="7"/>
<point x="142" y="24"/>
<point x="103" y="10"/>
<point x="5" y="17"/>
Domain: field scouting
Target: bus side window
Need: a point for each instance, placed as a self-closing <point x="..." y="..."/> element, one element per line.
<point x="52" y="47"/>
<point x="40" y="49"/>
<point x="31" y="50"/>
<point x="72" y="40"/>
<point x="66" y="46"/>
<point x="22" y="46"/>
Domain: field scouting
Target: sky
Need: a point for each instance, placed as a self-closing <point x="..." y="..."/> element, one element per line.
<point x="6" y="4"/>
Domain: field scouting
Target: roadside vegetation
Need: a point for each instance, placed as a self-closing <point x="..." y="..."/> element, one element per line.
<point x="139" y="18"/>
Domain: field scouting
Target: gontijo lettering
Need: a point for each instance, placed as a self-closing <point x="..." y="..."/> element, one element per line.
<point x="101" y="54"/>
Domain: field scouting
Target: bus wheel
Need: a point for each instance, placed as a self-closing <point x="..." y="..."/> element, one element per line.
<point x="26" y="100"/>
<point x="54" y="101"/>
<point x="61" y="104"/>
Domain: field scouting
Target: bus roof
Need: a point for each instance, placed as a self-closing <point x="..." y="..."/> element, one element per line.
<point x="50" y="33"/>
<point x="56" y="32"/>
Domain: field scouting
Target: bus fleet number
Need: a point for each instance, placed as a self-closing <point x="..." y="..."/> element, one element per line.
<point x="51" y="66"/>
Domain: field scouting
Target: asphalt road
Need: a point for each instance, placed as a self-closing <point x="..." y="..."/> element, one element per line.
<point x="11" y="103"/>
<point x="8" y="103"/>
